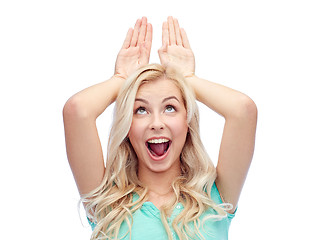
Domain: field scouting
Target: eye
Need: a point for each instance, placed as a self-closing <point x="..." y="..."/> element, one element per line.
<point x="170" y="109"/>
<point x="141" y="111"/>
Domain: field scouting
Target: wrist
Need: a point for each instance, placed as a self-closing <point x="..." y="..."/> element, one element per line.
<point x="120" y="76"/>
<point x="189" y="75"/>
<point x="195" y="83"/>
<point x="191" y="79"/>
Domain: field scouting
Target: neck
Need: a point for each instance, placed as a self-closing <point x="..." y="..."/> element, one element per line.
<point x="159" y="182"/>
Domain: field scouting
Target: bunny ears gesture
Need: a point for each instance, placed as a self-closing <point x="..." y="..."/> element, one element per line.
<point x="175" y="51"/>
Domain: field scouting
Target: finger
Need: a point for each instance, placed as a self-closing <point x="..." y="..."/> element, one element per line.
<point x="186" y="43"/>
<point x="135" y="33"/>
<point x="143" y="30"/>
<point x="127" y="41"/>
<point x="165" y="34"/>
<point x="148" y="37"/>
<point x="163" y="49"/>
<point x="179" y="40"/>
<point x="172" y="35"/>
<point x="161" y="52"/>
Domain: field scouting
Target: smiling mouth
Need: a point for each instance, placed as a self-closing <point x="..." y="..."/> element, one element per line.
<point x="158" y="147"/>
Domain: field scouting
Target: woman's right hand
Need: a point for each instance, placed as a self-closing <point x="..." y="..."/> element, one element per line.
<point x="80" y="112"/>
<point x="135" y="51"/>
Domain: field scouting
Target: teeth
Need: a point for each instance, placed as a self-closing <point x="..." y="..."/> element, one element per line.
<point x="161" y="140"/>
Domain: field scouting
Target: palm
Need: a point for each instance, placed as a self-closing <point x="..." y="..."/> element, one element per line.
<point x="178" y="57"/>
<point x="176" y="51"/>
<point x="130" y="59"/>
<point x="136" y="48"/>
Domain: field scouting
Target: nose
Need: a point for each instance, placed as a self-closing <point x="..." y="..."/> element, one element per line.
<point x="156" y="122"/>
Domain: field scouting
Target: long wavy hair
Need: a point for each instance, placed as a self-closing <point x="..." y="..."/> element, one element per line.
<point x="112" y="202"/>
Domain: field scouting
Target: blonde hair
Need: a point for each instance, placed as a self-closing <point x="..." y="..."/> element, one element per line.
<point x="112" y="202"/>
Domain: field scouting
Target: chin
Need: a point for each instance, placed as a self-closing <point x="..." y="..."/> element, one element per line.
<point x="165" y="165"/>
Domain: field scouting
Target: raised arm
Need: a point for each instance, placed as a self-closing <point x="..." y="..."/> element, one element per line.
<point x="82" y="109"/>
<point x="239" y="111"/>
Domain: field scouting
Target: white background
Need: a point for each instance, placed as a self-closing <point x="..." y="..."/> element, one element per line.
<point x="280" y="53"/>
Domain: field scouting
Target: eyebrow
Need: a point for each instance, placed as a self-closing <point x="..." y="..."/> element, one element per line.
<point x="141" y="100"/>
<point x="168" y="98"/>
<point x="164" y="100"/>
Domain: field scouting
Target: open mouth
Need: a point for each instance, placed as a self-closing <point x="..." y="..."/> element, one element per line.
<point x="158" y="147"/>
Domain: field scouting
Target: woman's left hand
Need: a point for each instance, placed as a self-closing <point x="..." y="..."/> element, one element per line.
<point x="135" y="51"/>
<point x="176" y="51"/>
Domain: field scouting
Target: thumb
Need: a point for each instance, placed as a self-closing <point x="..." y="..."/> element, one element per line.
<point x="163" y="49"/>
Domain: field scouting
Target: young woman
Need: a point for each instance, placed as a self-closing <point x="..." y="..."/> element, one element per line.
<point x="158" y="180"/>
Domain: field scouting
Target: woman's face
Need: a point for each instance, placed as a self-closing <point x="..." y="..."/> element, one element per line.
<point x="159" y="127"/>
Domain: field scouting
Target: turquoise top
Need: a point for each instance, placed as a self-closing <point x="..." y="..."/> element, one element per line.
<point x="147" y="222"/>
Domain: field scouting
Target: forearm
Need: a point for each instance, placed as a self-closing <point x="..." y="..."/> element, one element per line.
<point x="92" y="101"/>
<point x="135" y="53"/>
<point x="225" y="101"/>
